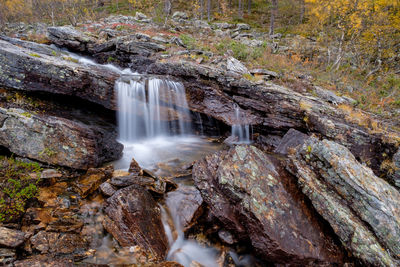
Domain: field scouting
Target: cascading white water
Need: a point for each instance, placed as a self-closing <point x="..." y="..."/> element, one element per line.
<point x="240" y="132"/>
<point x="155" y="126"/>
<point x="151" y="108"/>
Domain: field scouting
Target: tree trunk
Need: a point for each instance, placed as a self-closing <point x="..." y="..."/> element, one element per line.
<point x="248" y="7"/>
<point x="302" y="10"/>
<point x="208" y="10"/>
<point x="201" y="9"/>
<point x="274" y="12"/>
<point x="240" y="11"/>
<point x="167" y="7"/>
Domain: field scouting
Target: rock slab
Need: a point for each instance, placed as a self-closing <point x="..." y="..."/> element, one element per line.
<point x="362" y="209"/>
<point x="56" y="141"/>
<point x="134" y="219"/>
<point x="253" y="199"/>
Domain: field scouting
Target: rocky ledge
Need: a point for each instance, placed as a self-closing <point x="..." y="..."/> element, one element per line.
<point x="55" y="140"/>
<point x="212" y="90"/>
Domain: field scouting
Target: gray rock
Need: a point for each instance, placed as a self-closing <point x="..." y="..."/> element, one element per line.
<point x="140" y="16"/>
<point x="290" y="141"/>
<point x="276" y="36"/>
<point x="159" y="39"/>
<point x="55" y="140"/>
<point x="69" y="37"/>
<point x="11" y="238"/>
<point x="362" y="209"/>
<point x="50" y="173"/>
<point x="236" y="66"/>
<point x="329" y="96"/>
<point x="178" y="15"/>
<point x="141" y="48"/>
<point x="224" y="26"/>
<point x="24" y="69"/>
<point x="242" y="26"/>
<point x="7" y="256"/>
<point x="177" y="41"/>
<point x="35" y="47"/>
<point x="201" y="24"/>
<point x="267" y="74"/>
<point x="251" y="42"/>
<point x="221" y="33"/>
<point x="142" y="36"/>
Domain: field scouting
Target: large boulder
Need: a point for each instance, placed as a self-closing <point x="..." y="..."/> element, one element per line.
<point x="69" y="37"/>
<point x="56" y="140"/>
<point x="253" y="198"/>
<point x="134" y="219"/>
<point x="362" y="209"/>
<point x="29" y="70"/>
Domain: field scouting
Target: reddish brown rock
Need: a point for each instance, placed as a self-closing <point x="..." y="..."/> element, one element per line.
<point x="91" y="181"/>
<point x="60" y="243"/>
<point x="134" y="168"/>
<point x="134" y="219"/>
<point x="256" y="200"/>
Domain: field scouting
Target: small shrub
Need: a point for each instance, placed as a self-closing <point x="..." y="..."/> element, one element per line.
<point x="188" y="40"/>
<point x="240" y="51"/>
<point x="18" y="184"/>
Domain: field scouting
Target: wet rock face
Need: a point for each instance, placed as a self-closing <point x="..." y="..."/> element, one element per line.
<point x="25" y="69"/>
<point x="184" y="205"/>
<point x="134" y="219"/>
<point x="363" y="210"/>
<point x="55" y="140"/>
<point x="253" y="198"/>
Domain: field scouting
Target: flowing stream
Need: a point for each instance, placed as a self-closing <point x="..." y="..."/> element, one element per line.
<point x="154" y="126"/>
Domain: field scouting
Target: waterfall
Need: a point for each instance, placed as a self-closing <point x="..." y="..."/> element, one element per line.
<point x="240" y="132"/>
<point x="151" y="108"/>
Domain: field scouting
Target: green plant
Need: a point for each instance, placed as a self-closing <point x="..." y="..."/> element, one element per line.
<point x="110" y="59"/>
<point x="47" y="152"/>
<point x="188" y="40"/>
<point x="34" y="55"/>
<point x="240" y="51"/>
<point x="18" y="184"/>
<point x="71" y="59"/>
<point x="26" y="114"/>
